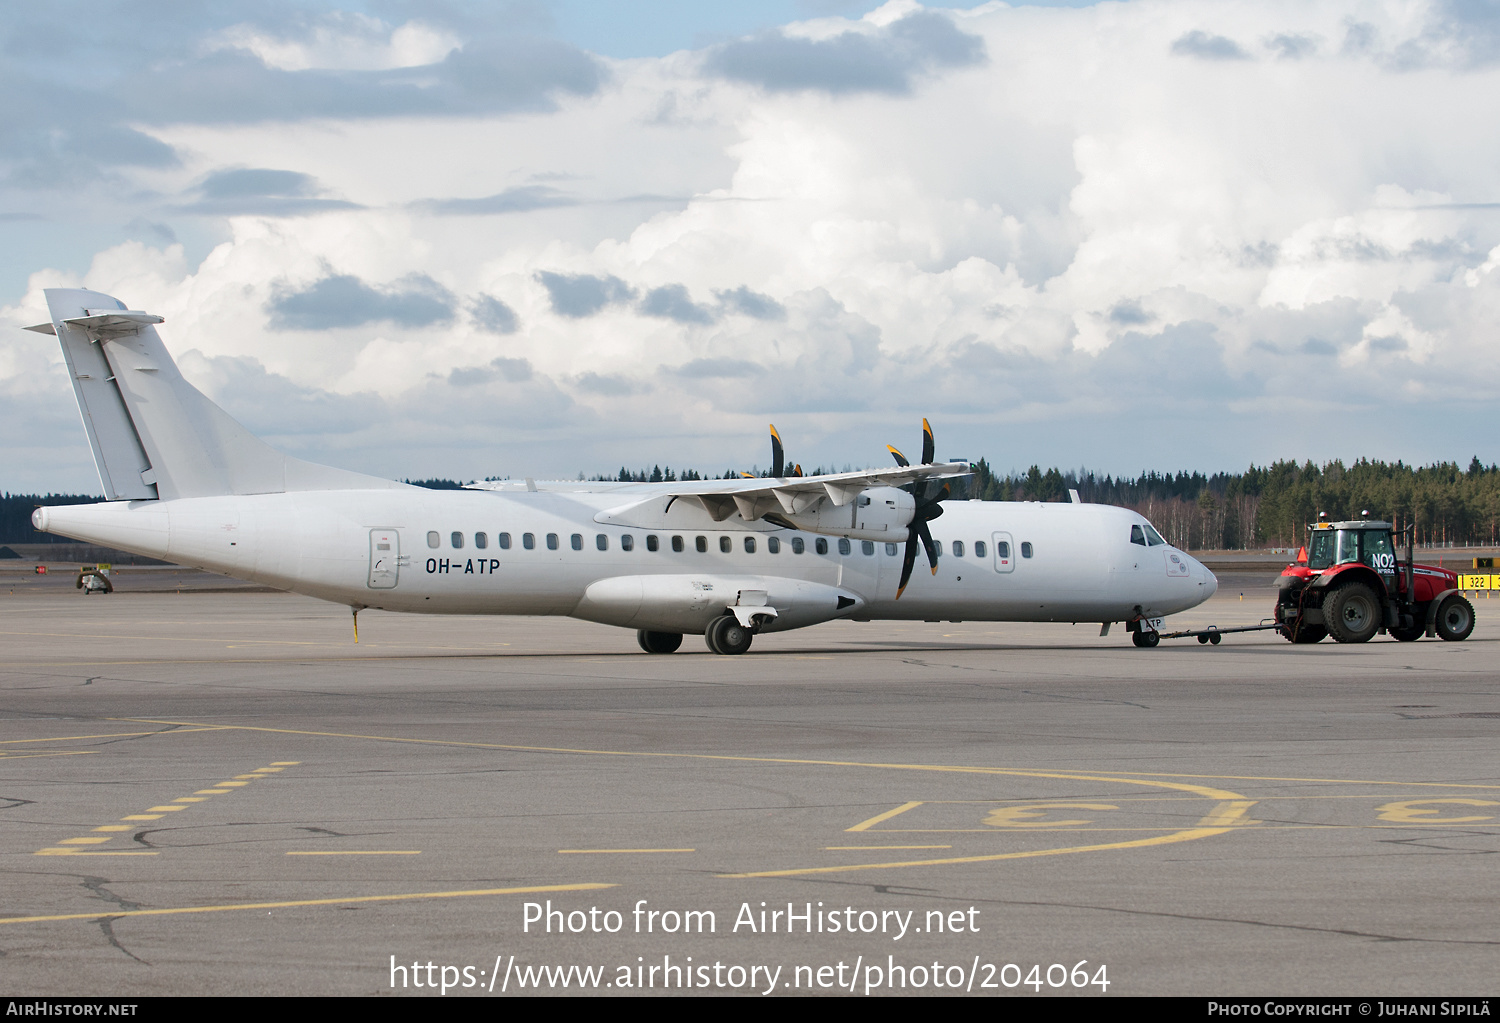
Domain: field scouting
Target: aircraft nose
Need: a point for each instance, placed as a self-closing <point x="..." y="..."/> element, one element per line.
<point x="1208" y="581"/>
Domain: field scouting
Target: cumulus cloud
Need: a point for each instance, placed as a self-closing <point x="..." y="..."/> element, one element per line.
<point x="1132" y="267"/>
<point x="580" y="295"/>
<point x="343" y="300"/>
<point x="867" y="59"/>
<point x="264" y="192"/>
<point x="1206" y="46"/>
<point x="495" y="316"/>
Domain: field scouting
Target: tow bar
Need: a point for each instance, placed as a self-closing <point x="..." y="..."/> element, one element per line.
<point x="1213" y="632"/>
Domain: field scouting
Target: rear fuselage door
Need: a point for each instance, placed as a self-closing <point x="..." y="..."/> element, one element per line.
<point x="1005" y="552"/>
<point x="385" y="556"/>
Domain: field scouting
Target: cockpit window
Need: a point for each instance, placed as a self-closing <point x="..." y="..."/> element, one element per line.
<point x="1138" y="535"/>
<point x="1153" y="537"/>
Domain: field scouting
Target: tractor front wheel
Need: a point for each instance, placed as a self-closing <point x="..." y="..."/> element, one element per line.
<point x="1353" y="613"/>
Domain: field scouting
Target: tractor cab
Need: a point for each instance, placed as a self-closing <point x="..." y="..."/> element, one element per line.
<point x="1331" y="544"/>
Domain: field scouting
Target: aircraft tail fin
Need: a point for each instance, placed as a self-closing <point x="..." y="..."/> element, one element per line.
<point x="153" y="434"/>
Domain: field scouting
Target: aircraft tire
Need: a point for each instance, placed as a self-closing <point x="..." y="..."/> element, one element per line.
<point x="727" y="636"/>
<point x="1455" y="619"/>
<point x="1352" y="613"/>
<point x="1145" y="638"/>
<point x="659" y="642"/>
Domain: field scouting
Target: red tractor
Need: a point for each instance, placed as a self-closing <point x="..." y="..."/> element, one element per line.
<point x="1349" y="584"/>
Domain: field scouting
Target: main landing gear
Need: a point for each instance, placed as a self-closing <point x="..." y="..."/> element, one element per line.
<point x="659" y="642"/>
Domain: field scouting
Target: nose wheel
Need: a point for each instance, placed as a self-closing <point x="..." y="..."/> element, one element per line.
<point x="1145" y="638"/>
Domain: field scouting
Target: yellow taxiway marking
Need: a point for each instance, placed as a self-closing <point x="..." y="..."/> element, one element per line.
<point x="83" y="852"/>
<point x="229" y="784"/>
<point x="880" y="818"/>
<point x="213" y="792"/>
<point x="857" y="848"/>
<point x="356" y="852"/>
<point x="1188" y="835"/>
<point x="536" y="889"/>
<point x="112" y="735"/>
<point x="1203" y="790"/>
<point x="115" y="827"/>
<point x="190" y="799"/>
<point x="245" y="777"/>
<point x="7" y="755"/>
<point x="1247" y="777"/>
<point x="626" y="850"/>
<point x="84" y="841"/>
<point x="1139" y="843"/>
<point x="153" y="809"/>
<point x="285" y="763"/>
<point x="143" y="817"/>
<point x="1425" y="811"/>
<point x="1229" y="814"/>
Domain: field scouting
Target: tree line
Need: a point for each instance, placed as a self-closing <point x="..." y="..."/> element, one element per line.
<point x="1265" y="506"/>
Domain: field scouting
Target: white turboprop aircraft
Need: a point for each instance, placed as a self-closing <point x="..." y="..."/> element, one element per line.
<point x="720" y="558"/>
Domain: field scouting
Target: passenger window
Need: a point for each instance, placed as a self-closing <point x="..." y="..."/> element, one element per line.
<point x="676" y="545"/>
<point x="1002" y="549"/>
<point x="1026" y="549"/>
<point x="725" y="544"/>
<point x="552" y="544"/>
<point x="958" y="548"/>
<point x="1138" y="535"/>
<point x="627" y="542"/>
<point x="820" y="545"/>
<point x="890" y="550"/>
<point x="867" y="547"/>
<point x="457" y="539"/>
<point x="749" y="545"/>
<point x="576" y="541"/>
<point x="433" y="540"/>
<point x="843" y="545"/>
<point x="502" y="540"/>
<point x="652" y="543"/>
<point x="481" y="541"/>
<point x="798" y="545"/>
<point x="979" y="549"/>
<point x="701" y="544"/>
<point x="528" y="540"/>
<point x="773" y="545"/>
<point x="601" y="541"/>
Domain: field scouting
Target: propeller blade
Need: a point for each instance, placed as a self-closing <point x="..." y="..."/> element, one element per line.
<point x="929" y="446"/>
<point x="778" y="454"/>
<point x="907" y="561"/>
<point x="898" y="456"/>
<point x="927" y="542"/>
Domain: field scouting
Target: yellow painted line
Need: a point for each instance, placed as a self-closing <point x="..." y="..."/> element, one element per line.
<point x="626" y="850"/>
<point x="1202" y="790"/>
<point x="1228" y="814"/>
<point x="55" y="753"/>
<point x="229" y="784"/>
<point x="84" y="841"/>
<point x="154" y="809"/>
<point x="1139" y="843"/>
<point x="843" y="848"/>
<point x="212" y="792"/>
<point x="537" y="889"/>
<point x="358" y="852"/>
<point x="1247" y="777"/>
<point x="83" y="852"/>
<point x="268" y="770"/>
<point x="115" y="827"/>
<point x="881" y="817"/>
<point x="143" y="817"/>
<point x="189" y="799"/>
<point x="285" y="763"/>
<point x="245" y="777"/>
<point x="74" y="738"/>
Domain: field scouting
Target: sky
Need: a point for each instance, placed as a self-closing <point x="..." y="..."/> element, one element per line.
<point x="532" y="238"/>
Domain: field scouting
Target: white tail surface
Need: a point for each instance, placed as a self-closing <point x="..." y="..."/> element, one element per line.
<point x="154" y="434"/>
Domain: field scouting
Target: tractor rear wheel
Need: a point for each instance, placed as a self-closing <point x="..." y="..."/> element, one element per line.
<point x="1352" y="613"/>
<point x="1455" y="618"/>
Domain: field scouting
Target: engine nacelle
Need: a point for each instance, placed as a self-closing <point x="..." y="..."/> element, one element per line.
<point x="879" y="513"/>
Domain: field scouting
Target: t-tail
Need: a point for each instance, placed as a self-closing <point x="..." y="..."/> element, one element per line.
<point x="153" y="434"/>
